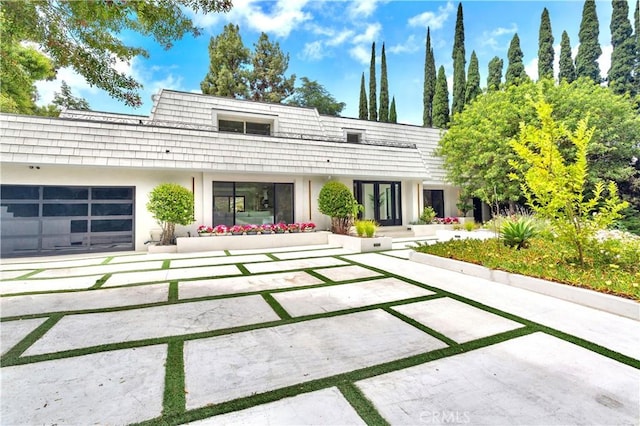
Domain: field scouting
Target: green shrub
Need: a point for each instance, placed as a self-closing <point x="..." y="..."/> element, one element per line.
<point x="336" y="201"/>
<point x="171" y="205"/>
<point x="428" y="214"/>
<point x="366" y="228"/>
<point x="469" y="225"/>
<point x="518" y="233"/>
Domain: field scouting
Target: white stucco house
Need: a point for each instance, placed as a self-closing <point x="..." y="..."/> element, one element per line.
<point x="80" y="182"/>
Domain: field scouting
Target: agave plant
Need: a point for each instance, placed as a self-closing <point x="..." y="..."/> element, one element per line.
<point x="518" y="233"/>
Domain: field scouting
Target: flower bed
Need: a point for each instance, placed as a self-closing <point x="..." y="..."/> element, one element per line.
<point x="265" y="229"/>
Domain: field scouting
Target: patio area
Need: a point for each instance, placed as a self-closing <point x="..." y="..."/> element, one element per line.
<point x="301" y="335"/>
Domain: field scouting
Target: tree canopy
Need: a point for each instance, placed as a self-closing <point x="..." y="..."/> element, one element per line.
<point x="589" y="50"/>
<point x="473" y="80"/>
<point x="373" y="107"/>
<point x="228" y="65"/>
<point x="620" y="75"/>
<point x="567" y="68"/>
<point x="476" y="152"/>
<point x="267" y="82"/>
<point x="515" y="69"/>
<point x="429" y="83"/>
<point x="313" y="94"/>
<point x="383" y="114"/>
<point x="83" y="35"/>
<point x="459" y="64"/>
<point x="545" y="46"/>
<point x="494" y="78"/>
<point x="363" y="109"/>
<point x="441" y="101"/>
<point x="65" y="99"/>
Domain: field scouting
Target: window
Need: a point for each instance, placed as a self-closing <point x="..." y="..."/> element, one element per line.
<point x="257" y="203"/>
<point x="435" y="199"/>
<point x="354" y="137"/>
<point x="248" y="127"/>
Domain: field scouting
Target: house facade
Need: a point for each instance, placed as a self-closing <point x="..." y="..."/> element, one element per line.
<point x="80" y="182"/>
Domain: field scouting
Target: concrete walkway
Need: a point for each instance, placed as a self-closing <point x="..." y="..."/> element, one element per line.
<point x="301" y="335"/>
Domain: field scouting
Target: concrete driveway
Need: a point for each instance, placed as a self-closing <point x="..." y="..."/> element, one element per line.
<point x="301" y="335"/>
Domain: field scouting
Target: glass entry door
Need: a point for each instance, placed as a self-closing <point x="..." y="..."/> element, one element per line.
<point x="381" y="201"/>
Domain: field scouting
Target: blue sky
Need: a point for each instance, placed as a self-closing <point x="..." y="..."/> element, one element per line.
<point x="330" y="41"/>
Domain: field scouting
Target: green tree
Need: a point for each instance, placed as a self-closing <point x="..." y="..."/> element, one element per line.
<point x="459" y="64"/>
<point x="313" y="94"/>
<point x="554" y="187"/>
<point x="373" y="108"/>
<point x="441" y="101"/>
<point x="336" y="201"/>
<point x="636" y="67"/>
<point x="363" y="109"/>
<point x="429" y="83"/>
<point x="267" y="82"/>
<point x="567" y="69"/>
<point x="20" y="67"/>
<point x="475" y="149"/>
<point x="589" y="50"/>
<point x="494" y="78"/>
<point x="393" y="115"/>
<point x="85" y="35"/>
<point x="620" y="75"/>
<point x="515" y="69"/>
<point x="473" y="80"/>
<point x="228" y="65"/>
<point x="383" y="116"/>
<point x="66" y="100"/>
<point x="170" y="204"/>
<point x="545" y="47"/>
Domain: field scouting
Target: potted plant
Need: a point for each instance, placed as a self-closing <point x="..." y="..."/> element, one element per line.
<point x="221" y="230"/>
<point x="205" y="231"/>
<point x="170" y="204"/>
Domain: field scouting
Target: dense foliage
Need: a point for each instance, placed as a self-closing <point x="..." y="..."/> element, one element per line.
<point x="623" y="56"/>
<point x="473" y="89"/>
<point x="555" y="188"/>
<point x="363" y="108"/>
<point x="373" y="106"/>
<point x="170" y="204"/>
<point x="589" y="49"/>
<point x="441" y="101"/>
<point x="611" y="265"/>
<point x="516" y="73"/>
<point x="545" y="46"/>
<point x="336" y="201"/>
<point x="267" y="82"/>
<point x="383" y="115"/>
<point x="228" y="65"/>
<point x="84" y="35"/>
<point x="393" y="115"/>
<point x="429" y="83"/>
<point x="459" y="64"/>
<point x="476" y="151"/>
<point x="494" y="78"/>
<point x="567" y="69"/>
<point x="313" y="94"/>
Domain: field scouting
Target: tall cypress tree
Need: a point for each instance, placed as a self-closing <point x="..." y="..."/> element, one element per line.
<point x="373" y="108"/>
<point x="363" y="110"/>
<point x="441" y="101"/>
<point x="623" y="56"/>
<point x="567" y="69"/>
<point x="515" y="69"/>
<point x="494" y="78"/>
<point x="384" y="89"/>
<point x="459" y="64"/>
<point x="589" y="50"/>
<point x="545" y="47"/>
<point x="473" y="80"/>
<point x="429" y="82"/>
<point x="636" y="72"/>
<point x="393" y="115"/>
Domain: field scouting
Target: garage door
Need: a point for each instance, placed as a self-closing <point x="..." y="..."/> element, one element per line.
<point x="47" y="220"/>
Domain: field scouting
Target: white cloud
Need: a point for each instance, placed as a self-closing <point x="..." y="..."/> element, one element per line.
<point x="432" y="19"/>
<point x="362" y="8"/>
<point x="313" y="51"/>
<point x="369" y="35"/>
<point x="532" y="68"/>
<point x="409" y="46"/>
<point x="361" y="54"/>
<point x="604" y="61"/>
<point x="339" y="38"/>
<point x="490" y="38"/>
<point x="278" y="18"/>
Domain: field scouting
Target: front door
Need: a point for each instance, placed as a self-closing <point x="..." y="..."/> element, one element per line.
<point x="381" y="201"/>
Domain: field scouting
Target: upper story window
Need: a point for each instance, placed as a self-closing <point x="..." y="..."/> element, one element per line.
<point x="353" y="137"/>
<point x="248" y="127"/>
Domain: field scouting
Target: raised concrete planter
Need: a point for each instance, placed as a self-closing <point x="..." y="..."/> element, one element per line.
<point x="240" y="242"/>
<point x="361" y="245"/>
<point x="605" y="302"/>
<point x="152" y="248"/>
<point x="427" y="230"/>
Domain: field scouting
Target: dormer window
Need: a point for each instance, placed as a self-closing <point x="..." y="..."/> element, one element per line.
<point x="354" y="136"/>
<point x="248" y="127"/>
